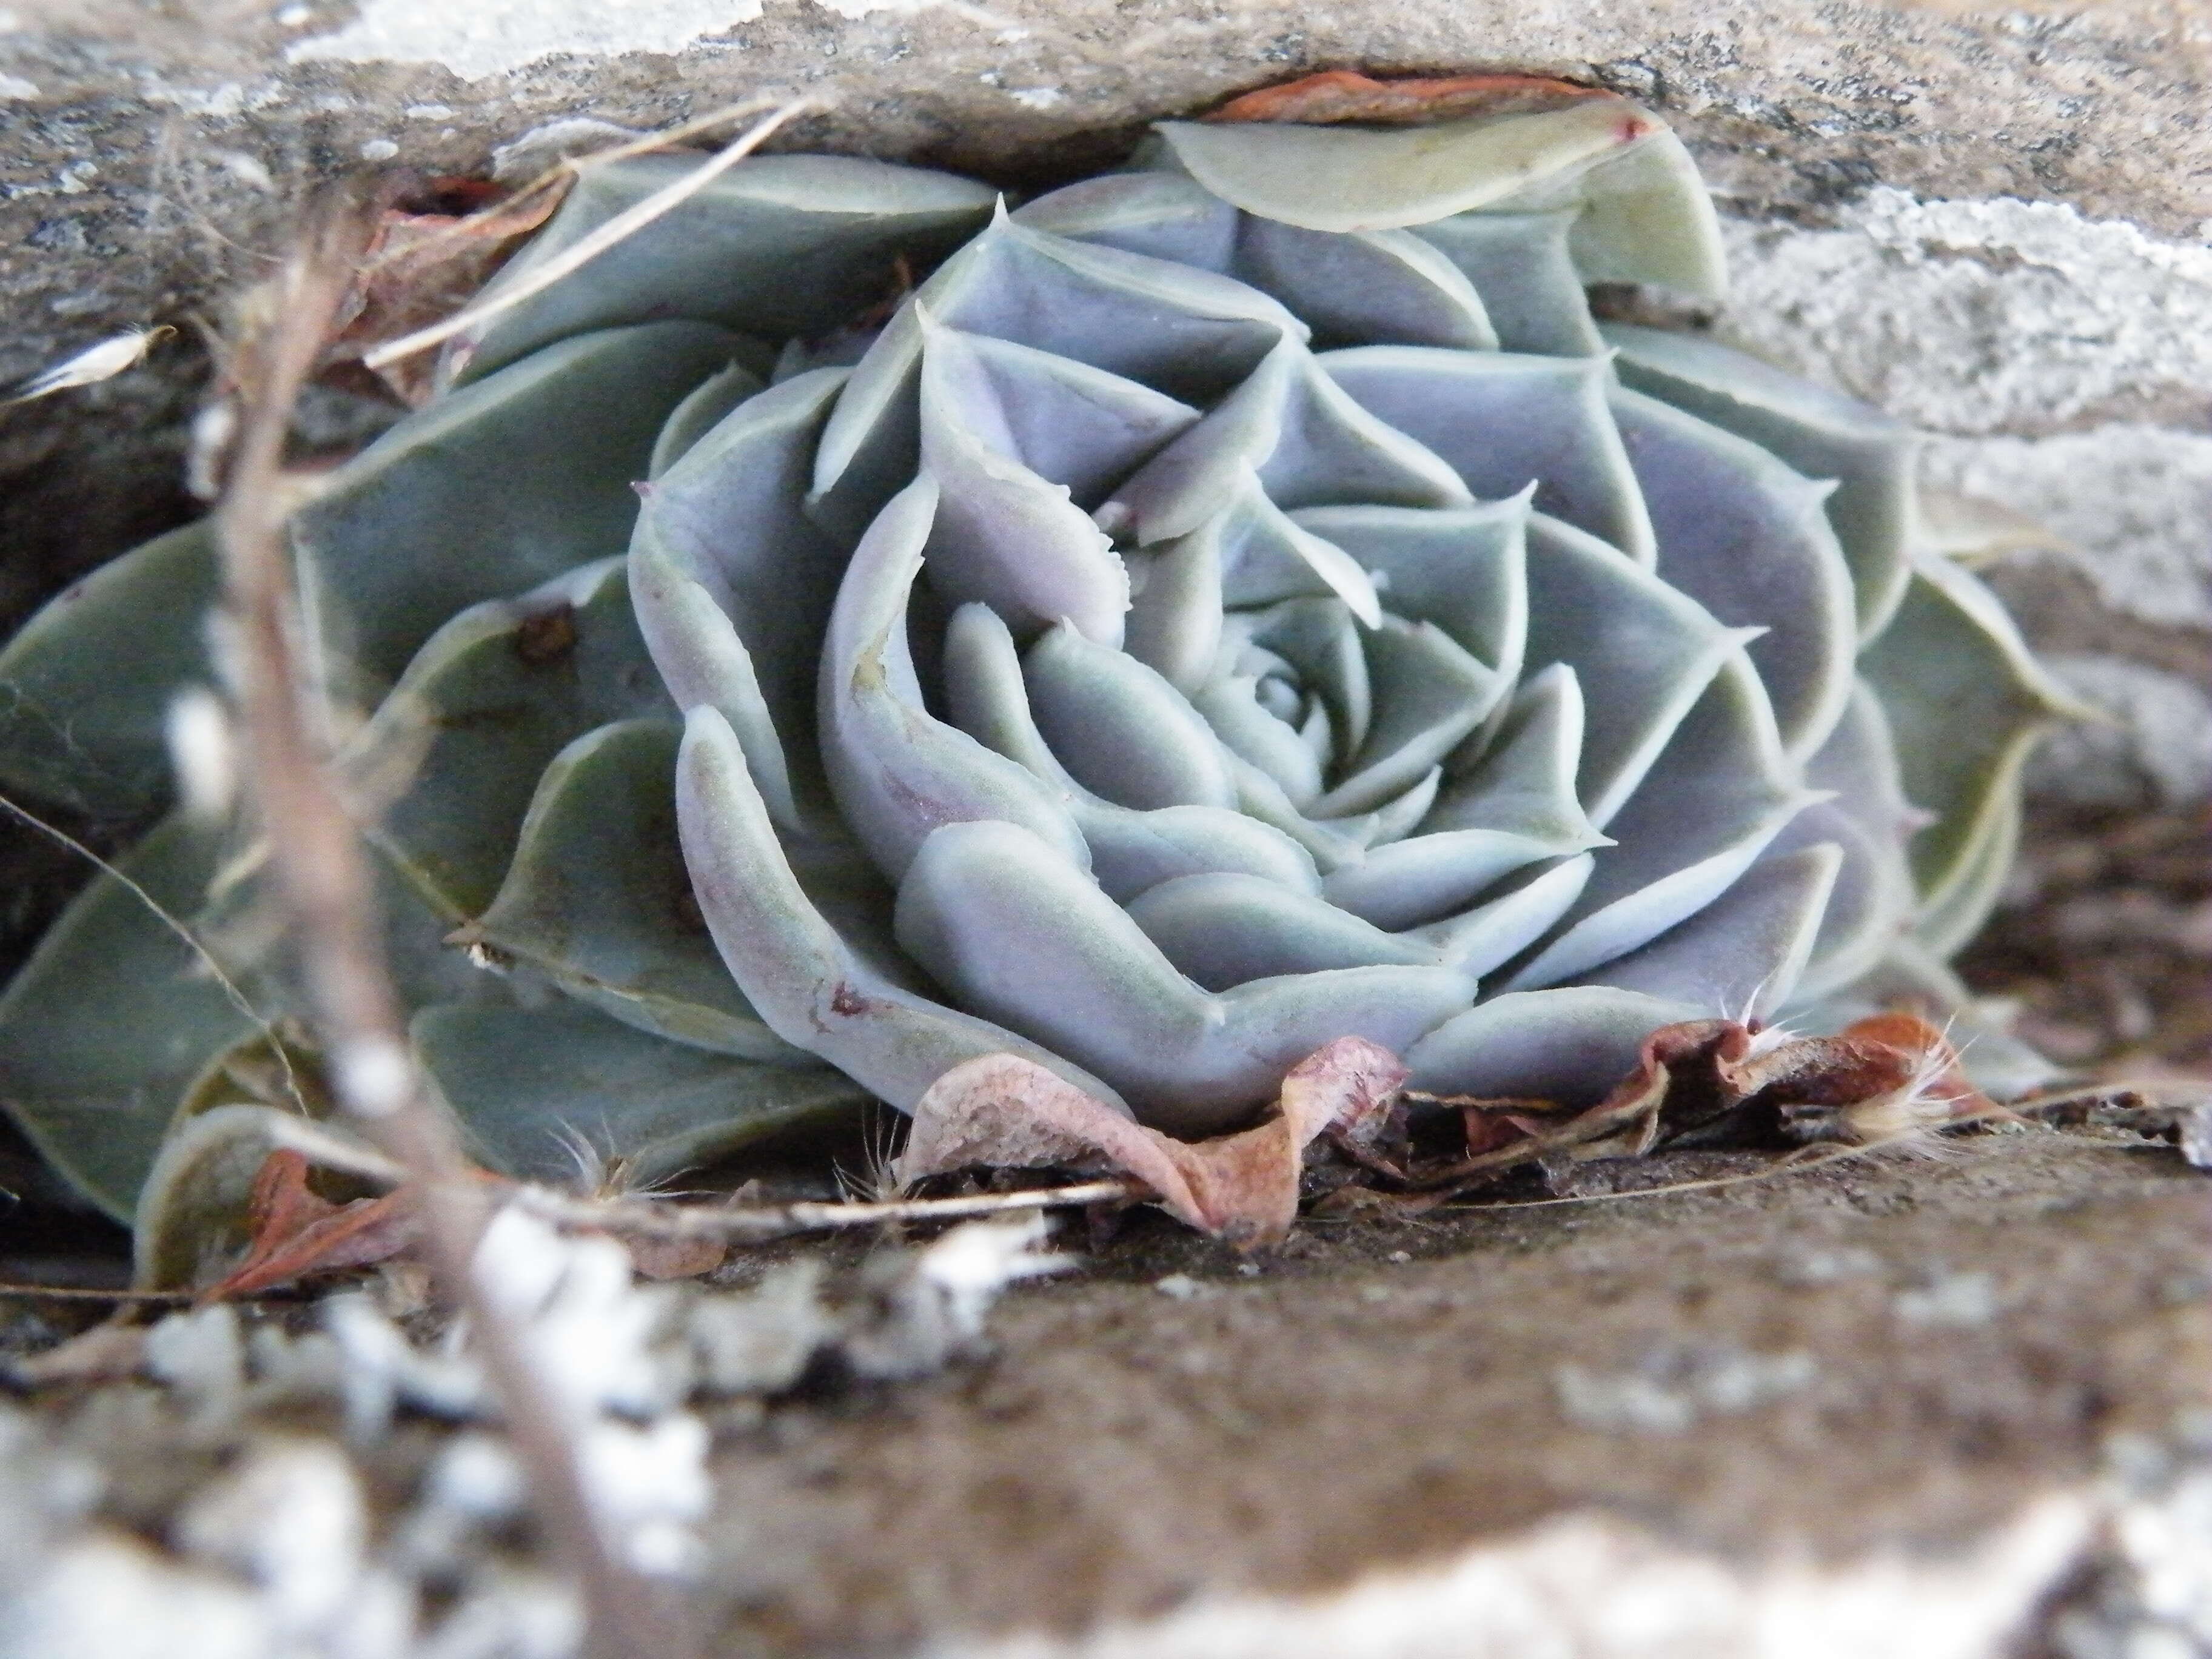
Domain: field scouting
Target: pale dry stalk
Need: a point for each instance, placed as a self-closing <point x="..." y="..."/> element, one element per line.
<point x="322" y="882"/>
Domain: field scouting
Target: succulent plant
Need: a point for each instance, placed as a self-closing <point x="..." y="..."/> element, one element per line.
<point x="1229" y="604"/>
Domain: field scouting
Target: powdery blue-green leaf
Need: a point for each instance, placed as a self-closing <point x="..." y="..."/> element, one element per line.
<point x="484" y="708"/>
<point x="1743" y="953"/>
<point x="538" y="1092"/>
<point x="1131" y="849"/>
<point x="733" y="584"/>
<point x="1188" y="333"/>
<point x="1521" y="265"/>
<point x="702" y="411"/>
<point x="898" y="771"/>
<point x="102" y="1030"/>
<point x="1016" y="932"/>
<point x="805" y="978"/>
<point x="1966" y="703"/>
<point x="1365" y="287"/>
<point x="1571" y="1044"/>
<point x="1504" y="422"/>
<point x="1746" y="538"/>
<point x="488" y="491"/>
<point x="597" y="900"/>
<point x="776" y="245"/>
<point x="85" y="686"/>
<point x="1721" y="791"/>
<point x="1819" y="431"/>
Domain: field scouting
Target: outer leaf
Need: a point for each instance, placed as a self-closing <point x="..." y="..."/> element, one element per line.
<point x="488" y="491"/>
<point x="598" y="898"/>
<point x="112" y="1017"/>
<point x="777" y="245"/>
<point x="483" y="709"/>
<point x="1344" y="178"/>
<point x="809" y="982"/>
<point x="1820" y="433"/>
<point x="1571" y="1045"/>
<point x="533" y="1087"/>
<point x="85" y="685"/>
<point x="1967" y="702"/>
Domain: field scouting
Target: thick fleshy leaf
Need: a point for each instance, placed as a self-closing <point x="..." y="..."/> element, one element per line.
<point x="1642" y="655"/>
<point x="1365" y="287"/>
<point x="1722" y="790"/>
<point x="1747" y="538"/>
<point x="488" y="491"/>
<point x="1646" y="217"/>
<point x="1524" y="782"/>
<point x="1819" y="432"/>
<point x="1188" y="333"/>
<point x="539" y="1090"/>
<point x="1070" y="424"/>
<point x="1742" y="954"/>
<point x="1309" y="444"/>
<point x="1224" y="930"/>
<point x="1871" y="822"/>
<point x="898" y="771"/>
<point x="810" y="985"/>
<point x="113" y="1016"/>
<point x="777" y="245"/>
<point x="733" y="584"/>
<point x="1945" y="924"/>
<point x="598" y="899"/>
<point x="699" y="412"/>
<point x="486" y="704"/>
<point x="1348" y="177"/>
<point x="1174" y="624"/>
<point x="1464" y="569"/>
<point x="85" y="686"/>
<point x="1503" y="421"/>
<point x="1002" y="534"/>
<point x="1967" y="702"/>
<point x="1570" y="1045"/>
<point x="1429" y="694"/>
<point x="1016" y="932"/>
<point x="1121" y="728"/>
<point x="1519" y="265"/>
<point x="1131" y="850"/>
<point x="1262" y="555"/>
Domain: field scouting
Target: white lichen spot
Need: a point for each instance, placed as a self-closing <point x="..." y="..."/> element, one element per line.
<point x="379" y="149"/>
<point x="495" y="37"/>
<point x="1673" y="1388"/>
<point x="15" y="86"/>
<point x="428" y="111"/>
<point x="1038" y="98"/>
<point x="1957" y="1301"/>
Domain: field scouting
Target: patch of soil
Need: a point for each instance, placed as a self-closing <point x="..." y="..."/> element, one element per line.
<point x="1878" y="1353"/>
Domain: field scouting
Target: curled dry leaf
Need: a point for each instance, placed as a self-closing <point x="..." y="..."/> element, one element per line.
<point x="297" y="1233"/>
<point x="1345" y="95"/>
<point x="1004" y="1112"/>
<point x="419" y="266"/>
<point x="1887" y="1075"/>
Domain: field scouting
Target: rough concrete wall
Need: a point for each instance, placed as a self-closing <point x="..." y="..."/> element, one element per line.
<point x="1993" y="222"/>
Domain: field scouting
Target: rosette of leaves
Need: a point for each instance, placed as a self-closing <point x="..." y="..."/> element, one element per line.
<point x="1230" y="604"/>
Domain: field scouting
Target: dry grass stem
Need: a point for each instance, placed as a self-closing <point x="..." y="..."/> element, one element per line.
<point x="624" y="224"/>
<point x="753" y="1223"/>
<point x="323" y="881"/>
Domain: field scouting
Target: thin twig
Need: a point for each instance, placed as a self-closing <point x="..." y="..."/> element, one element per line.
<point x="323" y="877"/>
<point x="158" y="1298"/>
<point x="625" y="223"/>
<point x="757" y="1222"/>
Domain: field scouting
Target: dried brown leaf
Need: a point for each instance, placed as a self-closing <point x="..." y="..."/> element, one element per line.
<point x="1345" y="95"/>
<point x="1003" y="1112"/>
